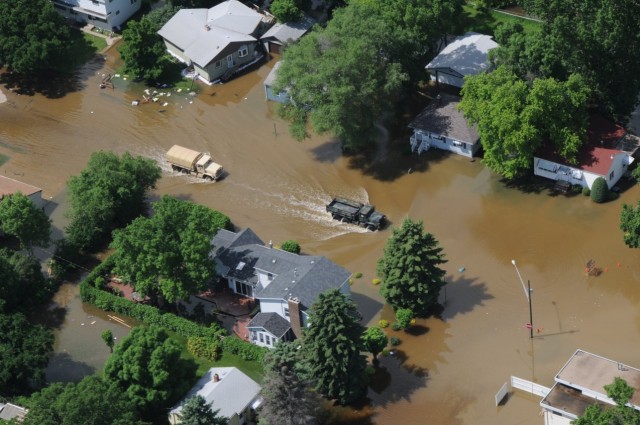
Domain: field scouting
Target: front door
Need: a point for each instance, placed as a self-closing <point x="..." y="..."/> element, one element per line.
<point x="230" y="61"/>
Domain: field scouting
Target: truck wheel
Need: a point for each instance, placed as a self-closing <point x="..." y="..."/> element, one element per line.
<point x="207" y="178"/>
<point x="371" y="227"/>
<point x="175" y="168"/>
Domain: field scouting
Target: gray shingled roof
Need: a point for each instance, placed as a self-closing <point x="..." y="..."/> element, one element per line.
<point x="466" y="54"/>
<point x="443" y="117"/>
<point x="271" y="322"/>
<point x="271" y="78"/>
<point x="289" y="31"/>
<point x="301" y="276"/>
<point x="231" y="394"/>
<point x="202" y="34"/>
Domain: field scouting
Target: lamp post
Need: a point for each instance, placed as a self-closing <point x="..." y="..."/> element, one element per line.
<point x="527" y="293"/>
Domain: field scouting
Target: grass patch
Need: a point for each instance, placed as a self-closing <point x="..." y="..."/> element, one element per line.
<point x="252" y="369"/>
<point x="81" y="50"/>
<point x="486" y="21"/>
<point x="3" y="159"/>
<point x="98" y="43"/>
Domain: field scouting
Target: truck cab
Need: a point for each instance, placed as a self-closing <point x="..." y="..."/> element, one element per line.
<point x="207" y="168"/>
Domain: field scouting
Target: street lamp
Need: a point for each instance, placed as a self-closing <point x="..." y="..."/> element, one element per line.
<point x="527" y="293"/>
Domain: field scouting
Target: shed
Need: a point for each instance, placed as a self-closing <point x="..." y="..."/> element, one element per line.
<point x="282" y="33"/>
<point x="465" y="55"/>
<point x="9" y="186"/>
<point x="281" y="97"/>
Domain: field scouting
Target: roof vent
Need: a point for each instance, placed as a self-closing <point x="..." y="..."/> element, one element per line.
<point x="207" y="27"/>
<point x="270" y="244"/>
<point x="273" y="261"/>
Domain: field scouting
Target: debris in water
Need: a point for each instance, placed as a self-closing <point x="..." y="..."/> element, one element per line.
<point x="461" y="269"/>
<point x="165" y="104"/>
<point x="117" y="75"/>
<point x="135" y="102"/>
<point x="93" y="323"/>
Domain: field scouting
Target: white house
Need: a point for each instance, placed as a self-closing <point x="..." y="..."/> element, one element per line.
<point x="441" y="125"/>
<point x="284" y="284"/>
<point x="228" y="390"/>
<point x="607" y="154"/>
<point x="281" y="97"/>
<point x="10" y="186"/>
<point x="464" y="55"/>
<point x="105" y="14"/>
<point x="580" y="383"/>
<point x="217" y="42"/>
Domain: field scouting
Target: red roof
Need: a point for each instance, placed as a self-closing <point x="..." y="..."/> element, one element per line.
<point x="596" y="155"/>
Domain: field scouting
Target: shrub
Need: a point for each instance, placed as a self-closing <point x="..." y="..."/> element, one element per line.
<point x="357" y="275"/>
<point x="396" y="326"/>
<point x="404" y="317"/>
<point x="370" y="370"/>
<point x="383" y="323"/>
<point x="394" y="341"/>
<point x="285" y="10"/>
<point x="376" y="281"/>
<point x="205" y="348"/>
<point x="350" y="281"/>
<point x="586" y="191"/>
<point x="613" y="196"/>
<point x="600" y="191"/>
<point x="291" y="246"/>
<point x="385" y="352"/>
<point x="576" y="188"/>
<point x="244" y="349"/>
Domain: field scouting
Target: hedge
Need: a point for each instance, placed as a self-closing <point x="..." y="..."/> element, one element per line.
<point x="150" y="315"/>
<point x="204" y="348"/>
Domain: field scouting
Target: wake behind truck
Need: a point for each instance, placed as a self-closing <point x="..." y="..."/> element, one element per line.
<point x="357" y="213"/>
<point x="189" y="161"/>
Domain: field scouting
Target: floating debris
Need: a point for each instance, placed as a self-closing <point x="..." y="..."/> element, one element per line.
<point x="135" y="102"/>
<point x="461" y="269"/>
<point x="165" y="104"/>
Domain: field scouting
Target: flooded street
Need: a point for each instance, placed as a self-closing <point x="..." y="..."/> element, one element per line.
<point x="448" y="369"/>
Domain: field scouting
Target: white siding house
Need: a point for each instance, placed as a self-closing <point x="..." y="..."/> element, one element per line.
<point x="604" y="155"/>
<point x="442" y="126"/>
<point x="465" y="55"/>
<point x="285" y="284"/>
<point x="105" y="14"/>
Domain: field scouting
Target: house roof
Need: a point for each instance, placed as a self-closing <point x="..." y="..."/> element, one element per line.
<point x="300" y="276"/>
<point x="597" y="154"/>
<point x="466" y="54"/>
<point x="10" y="411"/>
<point x="10" y="186"/>
<point x="289" y="31"/>
<point x="271" y="322"/>
<point x="443" y="117"/>
<point x="202" y="34"/>
<point x="231" y="394"/>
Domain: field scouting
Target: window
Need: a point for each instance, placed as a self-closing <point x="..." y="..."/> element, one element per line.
<point x="218" y="64"/>
<point x="268" y="339"/>
<point x="611" y="176"/>
<point x="117" y="12"/>
<point x="244" y="51"/>
<point x="270" y="276"/>
<point x="286" y="312"/>
<point x="261" y="337"/>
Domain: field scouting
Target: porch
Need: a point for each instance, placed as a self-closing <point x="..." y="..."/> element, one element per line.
<point x="419" y="143"/>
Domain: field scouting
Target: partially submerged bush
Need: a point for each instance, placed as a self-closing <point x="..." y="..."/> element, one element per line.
<point x="291" y="246"/>
<point x="600" y="191"/>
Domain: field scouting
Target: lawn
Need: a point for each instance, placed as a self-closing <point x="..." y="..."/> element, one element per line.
<point x="252" y="369"/>
<point x="98" y="43"/>
<point x="485" y="22"/>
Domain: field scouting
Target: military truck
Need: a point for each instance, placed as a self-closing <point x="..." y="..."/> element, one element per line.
<point x="357" y="213"/>
<point x="188" y="161"/>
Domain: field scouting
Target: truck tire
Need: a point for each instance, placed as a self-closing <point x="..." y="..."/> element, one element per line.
<point x="175" y="167"/>
<point x="208" y="178"/>
<point x="371" y="227"/>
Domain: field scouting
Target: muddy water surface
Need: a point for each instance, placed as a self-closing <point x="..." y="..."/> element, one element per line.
<point x="448" y="369"/>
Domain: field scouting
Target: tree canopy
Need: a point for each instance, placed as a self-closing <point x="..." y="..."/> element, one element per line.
<point x="34" y="38"/>
<point x="168" y="253"/>
<point x="147" y="367"/>
<point x="24" y="353"/>
<point x="108" y="193"/>
<point x="410" y="268"/>
<point x="620" y="392"/>
<point x="286" y="389"/>
<point x="22" y="284"/>
<point x="515" y="118"/>
<point x="630" y="224"/>
<point x="196" y="411"/>
<point x="91" y="401"/>
<point x="143" y="51"/>
<point x="332" y="348"/>
<point x="21" y="218"/>
<point x="374" y="341"/>
<point x="286" y="10"/>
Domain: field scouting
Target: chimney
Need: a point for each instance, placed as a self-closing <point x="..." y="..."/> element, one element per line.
<point x="294" y="316"/>
<point x="270" y="244"/>
<point x="207" y="27"/>
<point x="216" y="378"/>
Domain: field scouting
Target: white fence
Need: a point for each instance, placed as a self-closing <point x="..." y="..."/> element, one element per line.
<point x="528" y="386"/>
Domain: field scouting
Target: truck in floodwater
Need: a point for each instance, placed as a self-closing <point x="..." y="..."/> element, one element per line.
<point x="357" y="213"/>
<point x="188" y="161"/>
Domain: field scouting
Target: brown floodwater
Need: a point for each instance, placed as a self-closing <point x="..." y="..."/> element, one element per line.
<point x="447" y="370"/>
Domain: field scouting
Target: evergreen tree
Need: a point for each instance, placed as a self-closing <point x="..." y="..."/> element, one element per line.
<point x="332" y="346"/>
<point x="410" y="268"/>
<point x="196" y="411"/>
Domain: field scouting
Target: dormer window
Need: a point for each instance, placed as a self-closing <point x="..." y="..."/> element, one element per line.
<point x="270" y="276"/>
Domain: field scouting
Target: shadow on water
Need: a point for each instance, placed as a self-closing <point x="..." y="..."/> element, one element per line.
<point x="462" y="296"/>
<point x="62" y="368"/>
<point x="368" y="307"/>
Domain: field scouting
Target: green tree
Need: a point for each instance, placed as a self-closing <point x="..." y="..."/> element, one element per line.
<point x="196" y="411"/>
<point x="291" y="246"/>
<point x="621" y="414"/>
<point x="143" y="51"/>
<point x="286" y="10"/>
<point x="21" y="218"/>
<point x="21" y="275"/>
<point x="91" y="401"/>
<point x="410" y="268"/>
<point x="24" y="354"/>
<point x="168" y="253"/>
<point x="148" y="368"/>
<point x="340" y="78"/>
<point x="374" y="340"/>
<point x="514" y="118"/>
<point x="332" y="346"/>
<point x="34" y="38"/>
<point x="108" y="193"/>
<point x="600" y="190"/>
<point x="404" y="316"/>
<point x="107" y="337"/>
<point x="630" y="225"/>
<point x="286" y="390"/>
